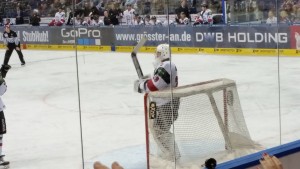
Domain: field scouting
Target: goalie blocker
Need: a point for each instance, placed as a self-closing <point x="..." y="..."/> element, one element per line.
<point x="164" y="77"/>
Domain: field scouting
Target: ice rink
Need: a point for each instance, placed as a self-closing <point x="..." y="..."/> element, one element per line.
<point x="42" y="104"/>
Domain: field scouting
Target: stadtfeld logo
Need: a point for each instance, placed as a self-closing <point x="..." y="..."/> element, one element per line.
<point x="152" y="110"/>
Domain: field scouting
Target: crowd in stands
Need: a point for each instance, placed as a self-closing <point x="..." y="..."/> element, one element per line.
<point x="143" y="12"/>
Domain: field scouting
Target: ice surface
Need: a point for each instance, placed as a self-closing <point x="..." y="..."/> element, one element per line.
<point x="42" y="104"/>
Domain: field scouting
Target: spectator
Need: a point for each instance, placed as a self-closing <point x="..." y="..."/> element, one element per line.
<point x="271" y="18"/>
<point x="154" y="6"/>
<point x="297" y="18"/>
<point x="132" y="2"/>
<point x="154" y="21"/>
<point x="86" y="9"/>
<point x="51" y="10"/>
<point x="296" y="7"/>
<point x="44" y="10"/>
<point x="183" y="8"/>
<point x="270" y="162"/>
<point x="78" y="20"/>
<point x="284" y="17"/>
<point x="32" y="3"/>
<point x="262" y="9"/>
<point x="57" y="4"/>
<point x="138" y="20"/>
<point x="147" y="20"/>
<point x="59" y="18"/>
<point x="129" y="14"/>
<point x="193" y="8"/>
<point x="147" y="7"/>
<point x="115" y="14"/>
<point x="27" y="10"/>
<point x="98" y="9"/>
<point x="183" y="19"/>
<point x="289" y="8"/>
<point x="35" y="18"/>
<point x="69" y="16"/>
<point x="285" y="3"/>
<point x="95" y="21"/>
<point x="79" y="12"/>
<point x="94" y="11"/>
<point x="107" y="21"/>
<point x="7" y="22"/>
<point x="205" y="16"/>
<point x="169" y="22"/>
<point x="19" y="15"/>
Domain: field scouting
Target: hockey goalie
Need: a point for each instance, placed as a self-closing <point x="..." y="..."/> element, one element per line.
<point x="164" y="77"/>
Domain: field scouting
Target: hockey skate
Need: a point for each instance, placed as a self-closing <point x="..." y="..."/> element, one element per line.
<point x="3" y="164"/>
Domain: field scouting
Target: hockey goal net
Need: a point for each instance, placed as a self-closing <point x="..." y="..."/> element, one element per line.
<point x="195" y="122"/>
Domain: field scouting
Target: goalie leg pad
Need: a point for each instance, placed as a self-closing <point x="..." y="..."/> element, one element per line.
<point x="164" y="118"/>
<point x="166" y="143"/>
<point x="161" y="130"/>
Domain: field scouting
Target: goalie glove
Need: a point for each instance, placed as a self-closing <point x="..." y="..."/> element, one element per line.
<point x="139" y="85"/>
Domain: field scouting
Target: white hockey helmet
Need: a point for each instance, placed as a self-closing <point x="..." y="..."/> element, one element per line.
<point x="162" y="52"/>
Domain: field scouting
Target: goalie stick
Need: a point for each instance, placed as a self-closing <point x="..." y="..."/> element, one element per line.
<point x="134" y="57"/>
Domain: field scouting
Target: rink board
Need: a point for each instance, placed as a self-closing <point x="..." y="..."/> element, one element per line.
<point x="288" y="154"/>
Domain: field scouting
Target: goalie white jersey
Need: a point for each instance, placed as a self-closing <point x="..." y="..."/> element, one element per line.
<point x="162" y="79"/>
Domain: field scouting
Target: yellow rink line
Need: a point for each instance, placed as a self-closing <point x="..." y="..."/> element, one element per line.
<point x="183" y="50"/>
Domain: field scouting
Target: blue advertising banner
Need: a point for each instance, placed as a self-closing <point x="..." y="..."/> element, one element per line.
<point x="207" y="36"/>
<point x="64" y="35"/>
<point x="262" y="36"/>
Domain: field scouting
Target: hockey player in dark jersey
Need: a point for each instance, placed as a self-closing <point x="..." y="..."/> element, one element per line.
<point x="164" y="77"/>
<point x="12" y="42"/>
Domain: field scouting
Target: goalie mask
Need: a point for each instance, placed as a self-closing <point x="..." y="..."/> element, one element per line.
<point x="162" y="53"/>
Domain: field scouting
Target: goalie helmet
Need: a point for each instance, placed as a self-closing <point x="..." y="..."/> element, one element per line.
<point x="162" y="52"/>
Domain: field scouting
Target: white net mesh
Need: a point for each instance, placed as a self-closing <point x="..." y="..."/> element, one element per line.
<point x="202" y="119"/>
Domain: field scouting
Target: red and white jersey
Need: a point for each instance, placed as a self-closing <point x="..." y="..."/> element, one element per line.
<point x="206" y="16"/>
<point x="165" y="76"/>
<point x="128" y="15"/>
<point x="59" y="17"/>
